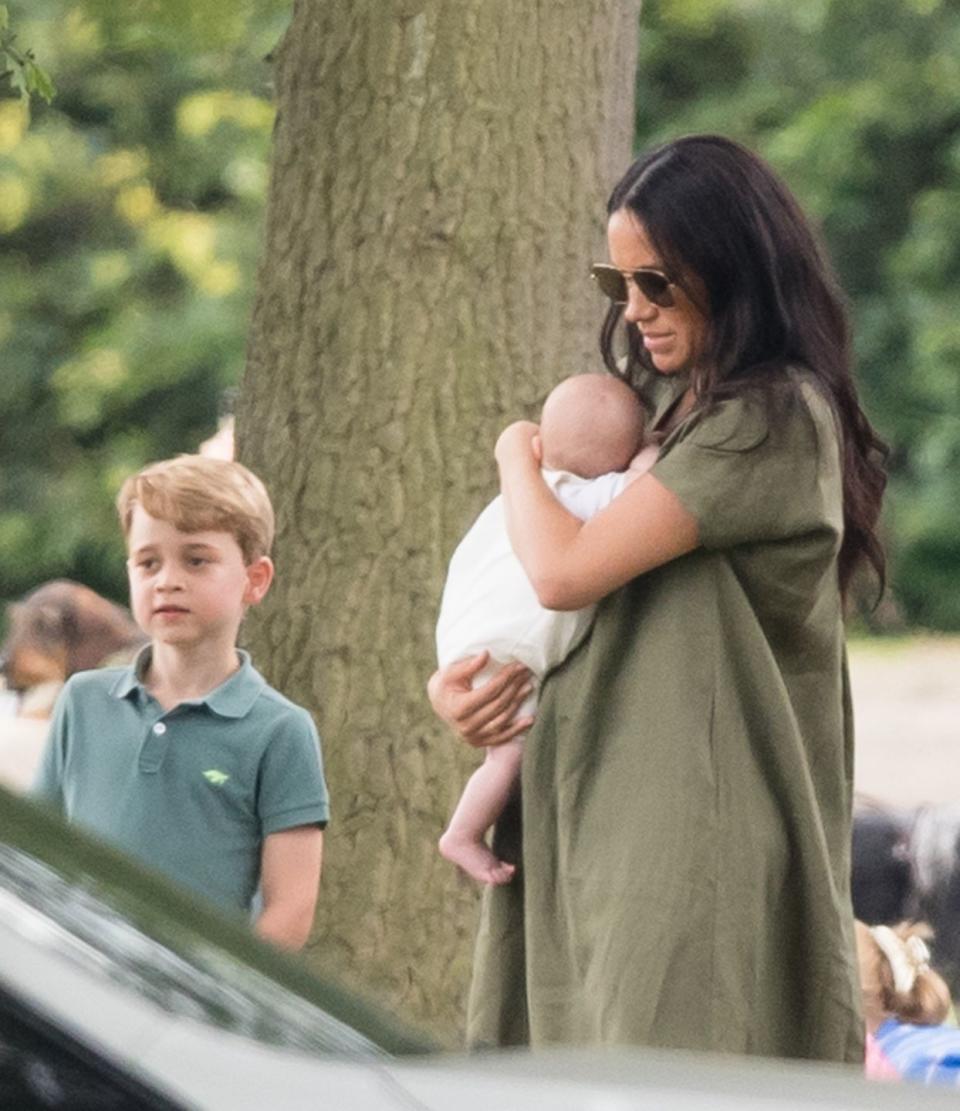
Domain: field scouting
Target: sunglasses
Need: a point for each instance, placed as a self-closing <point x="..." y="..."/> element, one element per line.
<point x="656" y="286"/>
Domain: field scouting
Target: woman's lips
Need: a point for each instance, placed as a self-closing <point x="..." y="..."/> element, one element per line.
<point x="657" y="342"/>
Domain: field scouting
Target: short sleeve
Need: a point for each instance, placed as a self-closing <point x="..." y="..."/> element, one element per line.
<point x="757" y="468"/>
<point x="48" y="781"/>
<point x="292" y="790"/>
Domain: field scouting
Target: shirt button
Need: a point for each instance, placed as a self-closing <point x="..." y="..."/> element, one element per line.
<point x="159" y="729"/>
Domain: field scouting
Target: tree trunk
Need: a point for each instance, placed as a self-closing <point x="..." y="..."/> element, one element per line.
<point x="439" y="178"/>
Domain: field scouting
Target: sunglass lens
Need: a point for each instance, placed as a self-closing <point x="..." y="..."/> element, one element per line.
<point x="611" y="283"/>
<point x="655" y="287"/>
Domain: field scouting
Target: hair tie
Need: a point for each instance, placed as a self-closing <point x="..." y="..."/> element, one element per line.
<point x="907" y="959"/>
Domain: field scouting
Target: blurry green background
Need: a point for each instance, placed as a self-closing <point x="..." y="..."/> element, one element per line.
<point x="131" y="208"/>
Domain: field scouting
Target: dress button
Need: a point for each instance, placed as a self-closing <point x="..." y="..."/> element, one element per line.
<point x="159" y="729"/>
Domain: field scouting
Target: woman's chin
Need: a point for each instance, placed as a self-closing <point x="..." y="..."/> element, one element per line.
<point x="665" y="365"/>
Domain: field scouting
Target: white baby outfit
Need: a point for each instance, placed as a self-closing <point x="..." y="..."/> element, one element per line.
<point x="488" y="602"/>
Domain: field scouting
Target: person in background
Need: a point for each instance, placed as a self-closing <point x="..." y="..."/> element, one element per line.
<point x="906" y="1005"/>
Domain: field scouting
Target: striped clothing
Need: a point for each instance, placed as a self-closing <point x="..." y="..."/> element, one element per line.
<point x="929" y="1054"/>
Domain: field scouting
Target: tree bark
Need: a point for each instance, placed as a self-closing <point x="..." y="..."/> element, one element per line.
<point x="438" y="186"/>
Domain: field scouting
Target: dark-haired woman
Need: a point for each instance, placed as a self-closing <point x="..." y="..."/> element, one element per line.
<point x="684" y="842"/>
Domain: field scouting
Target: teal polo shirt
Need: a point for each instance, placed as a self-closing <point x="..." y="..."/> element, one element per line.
<point x="192" y="791"/>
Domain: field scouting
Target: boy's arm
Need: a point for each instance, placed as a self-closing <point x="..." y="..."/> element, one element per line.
<point x="290" y="863"/>
<point x="293" y="809"/>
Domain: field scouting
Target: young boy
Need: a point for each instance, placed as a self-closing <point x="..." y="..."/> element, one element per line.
<point x="591" y="436"/>
<point x="188" y="759"/>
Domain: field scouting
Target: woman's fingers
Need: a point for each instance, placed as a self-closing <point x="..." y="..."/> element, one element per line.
<point x="461" y="672"/>
<point x="449" y="687"/>
<point x="495" y="721"/>
<point x="502" y="729"/>
<point x="484" y="715"/>
<point x="486" y="701"/>
<point x="486" y="707"/>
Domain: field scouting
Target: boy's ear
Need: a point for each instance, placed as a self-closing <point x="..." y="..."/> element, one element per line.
<point x="259" y="578"/>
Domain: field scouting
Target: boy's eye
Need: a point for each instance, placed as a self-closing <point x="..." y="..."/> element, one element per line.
<point x="196" y="561"/>
<point x="146" y="564"/>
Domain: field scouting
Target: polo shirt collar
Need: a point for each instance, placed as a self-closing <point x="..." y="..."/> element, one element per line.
<point x="234" y="698"/>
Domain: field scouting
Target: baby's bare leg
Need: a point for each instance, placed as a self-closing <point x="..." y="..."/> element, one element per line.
<point x="481" y="803"/>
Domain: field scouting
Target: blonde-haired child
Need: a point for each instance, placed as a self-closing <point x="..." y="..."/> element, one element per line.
<point x="188" y="759"/>
<point x="905" y="1005"/>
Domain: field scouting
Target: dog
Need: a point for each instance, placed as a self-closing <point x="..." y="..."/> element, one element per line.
<point x="57" y="629"/>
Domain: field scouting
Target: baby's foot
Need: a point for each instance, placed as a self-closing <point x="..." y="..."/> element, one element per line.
<point x="475" y="859"/>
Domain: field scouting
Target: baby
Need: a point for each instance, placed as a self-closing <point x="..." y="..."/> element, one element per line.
<point x="592" y="440"/>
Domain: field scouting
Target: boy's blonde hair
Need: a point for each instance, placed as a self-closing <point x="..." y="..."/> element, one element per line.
<point x="195" y="493"/>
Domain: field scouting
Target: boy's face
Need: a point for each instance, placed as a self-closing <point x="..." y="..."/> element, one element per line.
<point x="188" y="588"/>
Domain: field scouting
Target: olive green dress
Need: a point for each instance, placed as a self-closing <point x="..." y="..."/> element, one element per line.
<point x="686" y="796"/>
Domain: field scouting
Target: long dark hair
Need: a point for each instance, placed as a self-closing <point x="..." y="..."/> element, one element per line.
<point x="715" y="210"/>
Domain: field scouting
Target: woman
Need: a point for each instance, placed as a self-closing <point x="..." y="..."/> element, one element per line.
<point x="686" y="792"/>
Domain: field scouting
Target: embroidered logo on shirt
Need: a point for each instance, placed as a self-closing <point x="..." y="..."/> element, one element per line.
<point x="217" y="778"/>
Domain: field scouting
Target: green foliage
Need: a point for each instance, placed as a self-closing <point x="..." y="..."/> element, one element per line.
<point x="130" y="210"/>
<point x="215" y="30"/>
<point x="26" y="76"/>
<point x="857" y="103"/>
<point x="130" y="215"/>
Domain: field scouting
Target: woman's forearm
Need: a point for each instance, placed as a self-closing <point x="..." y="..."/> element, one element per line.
<point x="573" y="563"/>
<point x="542" y="532"/>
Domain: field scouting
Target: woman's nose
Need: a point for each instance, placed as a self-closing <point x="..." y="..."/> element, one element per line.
<point x="638" y="307"/>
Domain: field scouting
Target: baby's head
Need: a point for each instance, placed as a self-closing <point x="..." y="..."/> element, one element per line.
<point x="591" y="424"/>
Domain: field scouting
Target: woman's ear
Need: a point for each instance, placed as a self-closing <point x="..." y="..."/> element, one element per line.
<point x="259" y="578"/>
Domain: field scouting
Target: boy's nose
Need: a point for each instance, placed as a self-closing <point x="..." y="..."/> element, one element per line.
<point x="168" y="579"/>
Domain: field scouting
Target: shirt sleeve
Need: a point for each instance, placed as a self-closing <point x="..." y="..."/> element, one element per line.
<point x="48" y="780"/>
<point x="292" y="789"/>
<point x="757" y="468"/>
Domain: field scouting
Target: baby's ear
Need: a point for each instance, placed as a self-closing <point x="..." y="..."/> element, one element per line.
<point x="259" y="578"/>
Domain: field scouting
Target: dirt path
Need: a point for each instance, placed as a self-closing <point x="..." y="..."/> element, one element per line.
<point x="906" y="696"/>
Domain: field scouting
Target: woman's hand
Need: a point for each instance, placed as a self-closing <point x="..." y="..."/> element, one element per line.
<point x="519" y="441"/>
<point x="485" y="715"/>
